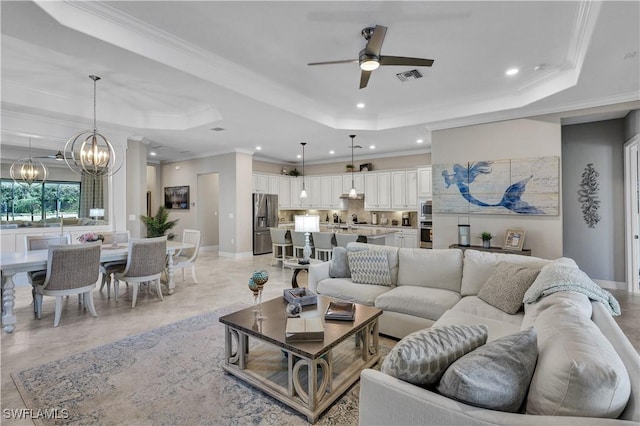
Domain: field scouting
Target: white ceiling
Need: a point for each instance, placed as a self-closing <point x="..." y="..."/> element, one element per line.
<point x="172" y="70"/>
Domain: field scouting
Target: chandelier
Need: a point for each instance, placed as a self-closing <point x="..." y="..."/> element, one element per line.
<point x="89" y="152"/>
<point x="27" y="170"/>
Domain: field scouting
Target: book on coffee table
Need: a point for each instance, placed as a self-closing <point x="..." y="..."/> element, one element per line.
<point x="344" y="311"/>
<point x="304" y="330"/>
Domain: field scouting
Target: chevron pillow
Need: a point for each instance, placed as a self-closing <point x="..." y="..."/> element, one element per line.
<point x="369" y="267"/>
<point x="422" y="357"/>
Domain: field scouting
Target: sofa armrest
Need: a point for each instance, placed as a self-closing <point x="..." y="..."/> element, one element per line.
<point x="385" y="400"/>
<point x="318" y="272"/>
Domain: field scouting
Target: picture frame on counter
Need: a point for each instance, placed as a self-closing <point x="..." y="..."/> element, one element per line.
<point x="514" y="239"/>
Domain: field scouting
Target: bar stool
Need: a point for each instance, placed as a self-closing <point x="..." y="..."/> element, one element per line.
<point x="343" y="239"/>
<point x="281" y="242"/>
<point x="323" y="242"/>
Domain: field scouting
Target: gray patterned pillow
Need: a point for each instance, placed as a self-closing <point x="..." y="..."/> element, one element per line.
<point x="506" y="286"/>
<point x="339" y="265"/>
<point x="495" y="376"/>
<point x="369" y="267"/>
<point x="423" y="356"/>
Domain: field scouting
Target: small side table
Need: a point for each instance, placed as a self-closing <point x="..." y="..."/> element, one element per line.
<point x="297" y="267"/>
<point x="524" y="252"/>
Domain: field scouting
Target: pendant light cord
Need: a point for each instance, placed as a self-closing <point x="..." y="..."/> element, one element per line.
<point x="95" y="78"/>
<point x="303" y="144"/>
<point x="352" y="165"/>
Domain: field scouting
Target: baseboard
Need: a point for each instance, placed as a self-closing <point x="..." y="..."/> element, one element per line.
<point x="612" y="285"/>
<point x="242" y="255"/>
<point x="209" y="248"/>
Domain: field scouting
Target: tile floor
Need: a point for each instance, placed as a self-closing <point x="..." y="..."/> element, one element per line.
<point x="223" y="282"/>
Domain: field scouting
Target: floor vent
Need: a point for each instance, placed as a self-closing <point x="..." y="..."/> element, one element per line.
<point x="409" y="75"/>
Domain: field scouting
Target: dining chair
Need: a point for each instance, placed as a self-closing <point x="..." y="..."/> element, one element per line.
<point x="298" y="243"/>
<point x="280" y="243"/>
<point x="42" y="242"/>
<point x="343" y="239"/>
<point x="71" y="269"/>
<point x="107" y="269"/>
<point x="146" y="260"/>
<point x="187" y="257"/>
<point x="323" y="242"/>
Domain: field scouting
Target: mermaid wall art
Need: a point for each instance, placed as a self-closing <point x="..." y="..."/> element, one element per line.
<point x="521" y="187"/>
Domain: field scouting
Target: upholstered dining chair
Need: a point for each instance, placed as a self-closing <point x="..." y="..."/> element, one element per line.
<point x="71" y="269"/>
<point x="107" y="269"/>
<point x="186" y="258"/>
<point x="146" y="261"/>
<point x="280" y="243"/>
<point x="323" y="243"/>
<point x="41" y="242"/>
<point x="343" y="239"/>
<point x="298" y="243"/>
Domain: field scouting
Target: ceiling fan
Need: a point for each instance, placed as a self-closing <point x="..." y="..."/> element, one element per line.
<point x="58" y="156"/>
<point x="370" y="57"/>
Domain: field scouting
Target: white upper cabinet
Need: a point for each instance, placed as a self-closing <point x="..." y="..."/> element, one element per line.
<point x="284" y="192"/>
<point x="404" y="190"/>
<point x="358" y="181"/>
<point x="314" y="191"/>
<point x="424" y="182"/>
<point x="274" y="187"/>
<point x="296" y="187"/>
<point x="260" y="183"/>
<point x="325" y="191"/>
<point x="377" y="191"/>
<point x="336" y="191"/>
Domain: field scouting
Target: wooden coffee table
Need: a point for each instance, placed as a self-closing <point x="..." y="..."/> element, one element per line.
<point x="307" y="377"/>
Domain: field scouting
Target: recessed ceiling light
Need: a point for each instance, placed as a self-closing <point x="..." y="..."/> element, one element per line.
<point x="258" y="148"/>
<point x="372" y="147"/>
<point x="152" y="153"/>
<point x="419" y="141"/>
<point x="360" y="105"/>
<point x="298" y="156"/>
<point x="332" y="152"/>
<point x="512" y="71"/>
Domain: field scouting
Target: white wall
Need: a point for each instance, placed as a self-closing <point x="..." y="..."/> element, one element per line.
<point x="136" y="188"/>
<point x="525" y="138"/>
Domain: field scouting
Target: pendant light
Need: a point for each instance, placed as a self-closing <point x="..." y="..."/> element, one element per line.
<point x="352" y="193"/>
<point x="89" y="152"/>
<point x="26" y="171"/>
<point x="303" y="194"/>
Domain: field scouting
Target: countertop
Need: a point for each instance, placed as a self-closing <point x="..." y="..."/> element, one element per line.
<point x="331" y="225"/>
<point x="364" y="230"/>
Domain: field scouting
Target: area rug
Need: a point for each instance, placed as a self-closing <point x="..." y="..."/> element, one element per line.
<point x="171" y="375"/>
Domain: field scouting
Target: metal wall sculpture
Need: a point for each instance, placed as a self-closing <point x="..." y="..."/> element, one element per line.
<point x="588" y="196"/>
<point x="521" y="186"/>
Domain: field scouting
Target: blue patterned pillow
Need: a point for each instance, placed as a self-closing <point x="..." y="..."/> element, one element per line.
<point x="369" y="267"/>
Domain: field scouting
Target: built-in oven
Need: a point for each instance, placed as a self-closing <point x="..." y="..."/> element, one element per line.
<point x="426" y="234"/>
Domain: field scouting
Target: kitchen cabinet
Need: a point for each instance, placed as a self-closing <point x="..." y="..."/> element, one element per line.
<point x="296" y="187"/>
<point x="325" y="191"/>
<point x="406" y="238"/>
<point x="425" y="185"/>
<point x="358" y="181"/>
<point x="314" y="199"/>
<point x="284" y="192"/>
<point x="335" y="201"/>
<point x="260" y="183"/>
<point x="404" y="190"/>
<point x="273" y="185"/>
<point x="377" y="191"/>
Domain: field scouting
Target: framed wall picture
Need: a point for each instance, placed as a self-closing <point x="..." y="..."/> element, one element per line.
<point x="514" y="239"/>
<point x="176" y="197"/>
<point x="366" y="167"/>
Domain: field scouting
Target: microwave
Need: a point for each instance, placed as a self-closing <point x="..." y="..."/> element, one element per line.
<point x="425" y="209"/>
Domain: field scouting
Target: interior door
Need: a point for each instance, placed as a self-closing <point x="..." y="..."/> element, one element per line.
<point x="632" y="213"/>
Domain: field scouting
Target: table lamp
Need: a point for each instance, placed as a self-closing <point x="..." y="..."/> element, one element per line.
<point x="95" y="213"/>
<point x="307" y="224"/>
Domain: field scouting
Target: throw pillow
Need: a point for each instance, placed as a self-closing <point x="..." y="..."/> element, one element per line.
<point x="339" y="265"/>
<point x="369" y="267"/>
<point x="423" y="356"/>
<point x="507" y="285"/>
<point x="495" y="376"/>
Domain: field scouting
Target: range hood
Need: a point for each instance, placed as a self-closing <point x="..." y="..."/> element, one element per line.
<point x="346" y="196"/>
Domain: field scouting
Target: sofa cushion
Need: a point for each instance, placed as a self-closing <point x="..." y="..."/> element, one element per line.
<point x="478" y="266"/>
<point x="578" y="373"/>
<point x="339" y="264"/>
<point x="422" y="357"/>
<point x="430" y="268"/>
<point x="494" y="376"/>
<point x="532" y="310"/>
<point x="369" y="267"/>
<point x="392" y="256"/>
<point x="421" y="302"/>
<point x="345" y="289"/>
<point x="495" y="328"/>
<point x="506" y="286"/>
<point x="476" y="306"/>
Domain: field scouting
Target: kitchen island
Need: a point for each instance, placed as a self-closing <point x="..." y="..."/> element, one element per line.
<point x="365" y="234"/>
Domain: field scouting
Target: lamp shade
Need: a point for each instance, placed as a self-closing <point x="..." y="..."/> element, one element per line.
<point x="96" y="212"/>
<point x="307" y="223"/>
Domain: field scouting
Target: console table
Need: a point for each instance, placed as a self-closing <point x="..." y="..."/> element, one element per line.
<point x="524" y="252"/>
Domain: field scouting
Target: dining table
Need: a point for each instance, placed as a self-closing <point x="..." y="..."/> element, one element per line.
<point x="12" y="263"/>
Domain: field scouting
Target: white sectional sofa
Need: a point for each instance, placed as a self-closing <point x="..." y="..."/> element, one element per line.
<point x="433" y="288"/>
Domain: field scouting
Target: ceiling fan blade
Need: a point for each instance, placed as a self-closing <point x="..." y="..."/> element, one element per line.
<point x="375" y="42"/>
<point x="364" y="78"/>
<point x="346" y="61"/>
<point x="402" y="60"/>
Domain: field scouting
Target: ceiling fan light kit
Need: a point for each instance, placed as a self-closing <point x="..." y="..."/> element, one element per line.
<point x="370" y="58"/>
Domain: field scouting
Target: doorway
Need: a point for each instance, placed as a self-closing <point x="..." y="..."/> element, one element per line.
<point x="208" y="207"/>
<point x="632" y="213"/>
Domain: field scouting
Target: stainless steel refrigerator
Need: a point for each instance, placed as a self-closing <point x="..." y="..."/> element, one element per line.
<point x="265" y="216"/>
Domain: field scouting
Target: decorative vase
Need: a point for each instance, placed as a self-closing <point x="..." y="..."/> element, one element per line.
<point x="256" y="291"/>
<point x="486" y="244"/>
<point x="260" y="278"/>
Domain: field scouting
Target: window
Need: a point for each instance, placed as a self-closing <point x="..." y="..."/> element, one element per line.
<point x="39" y="201"/>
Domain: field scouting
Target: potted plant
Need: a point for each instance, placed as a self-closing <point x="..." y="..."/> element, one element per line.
<point x="159" y="224"/>
<point x="349" y="167"/>
<point x="486" y="239"/>
<point x="294" y="172"/>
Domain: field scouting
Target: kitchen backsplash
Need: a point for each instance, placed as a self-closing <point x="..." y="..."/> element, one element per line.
<point x="353" y="207"/>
